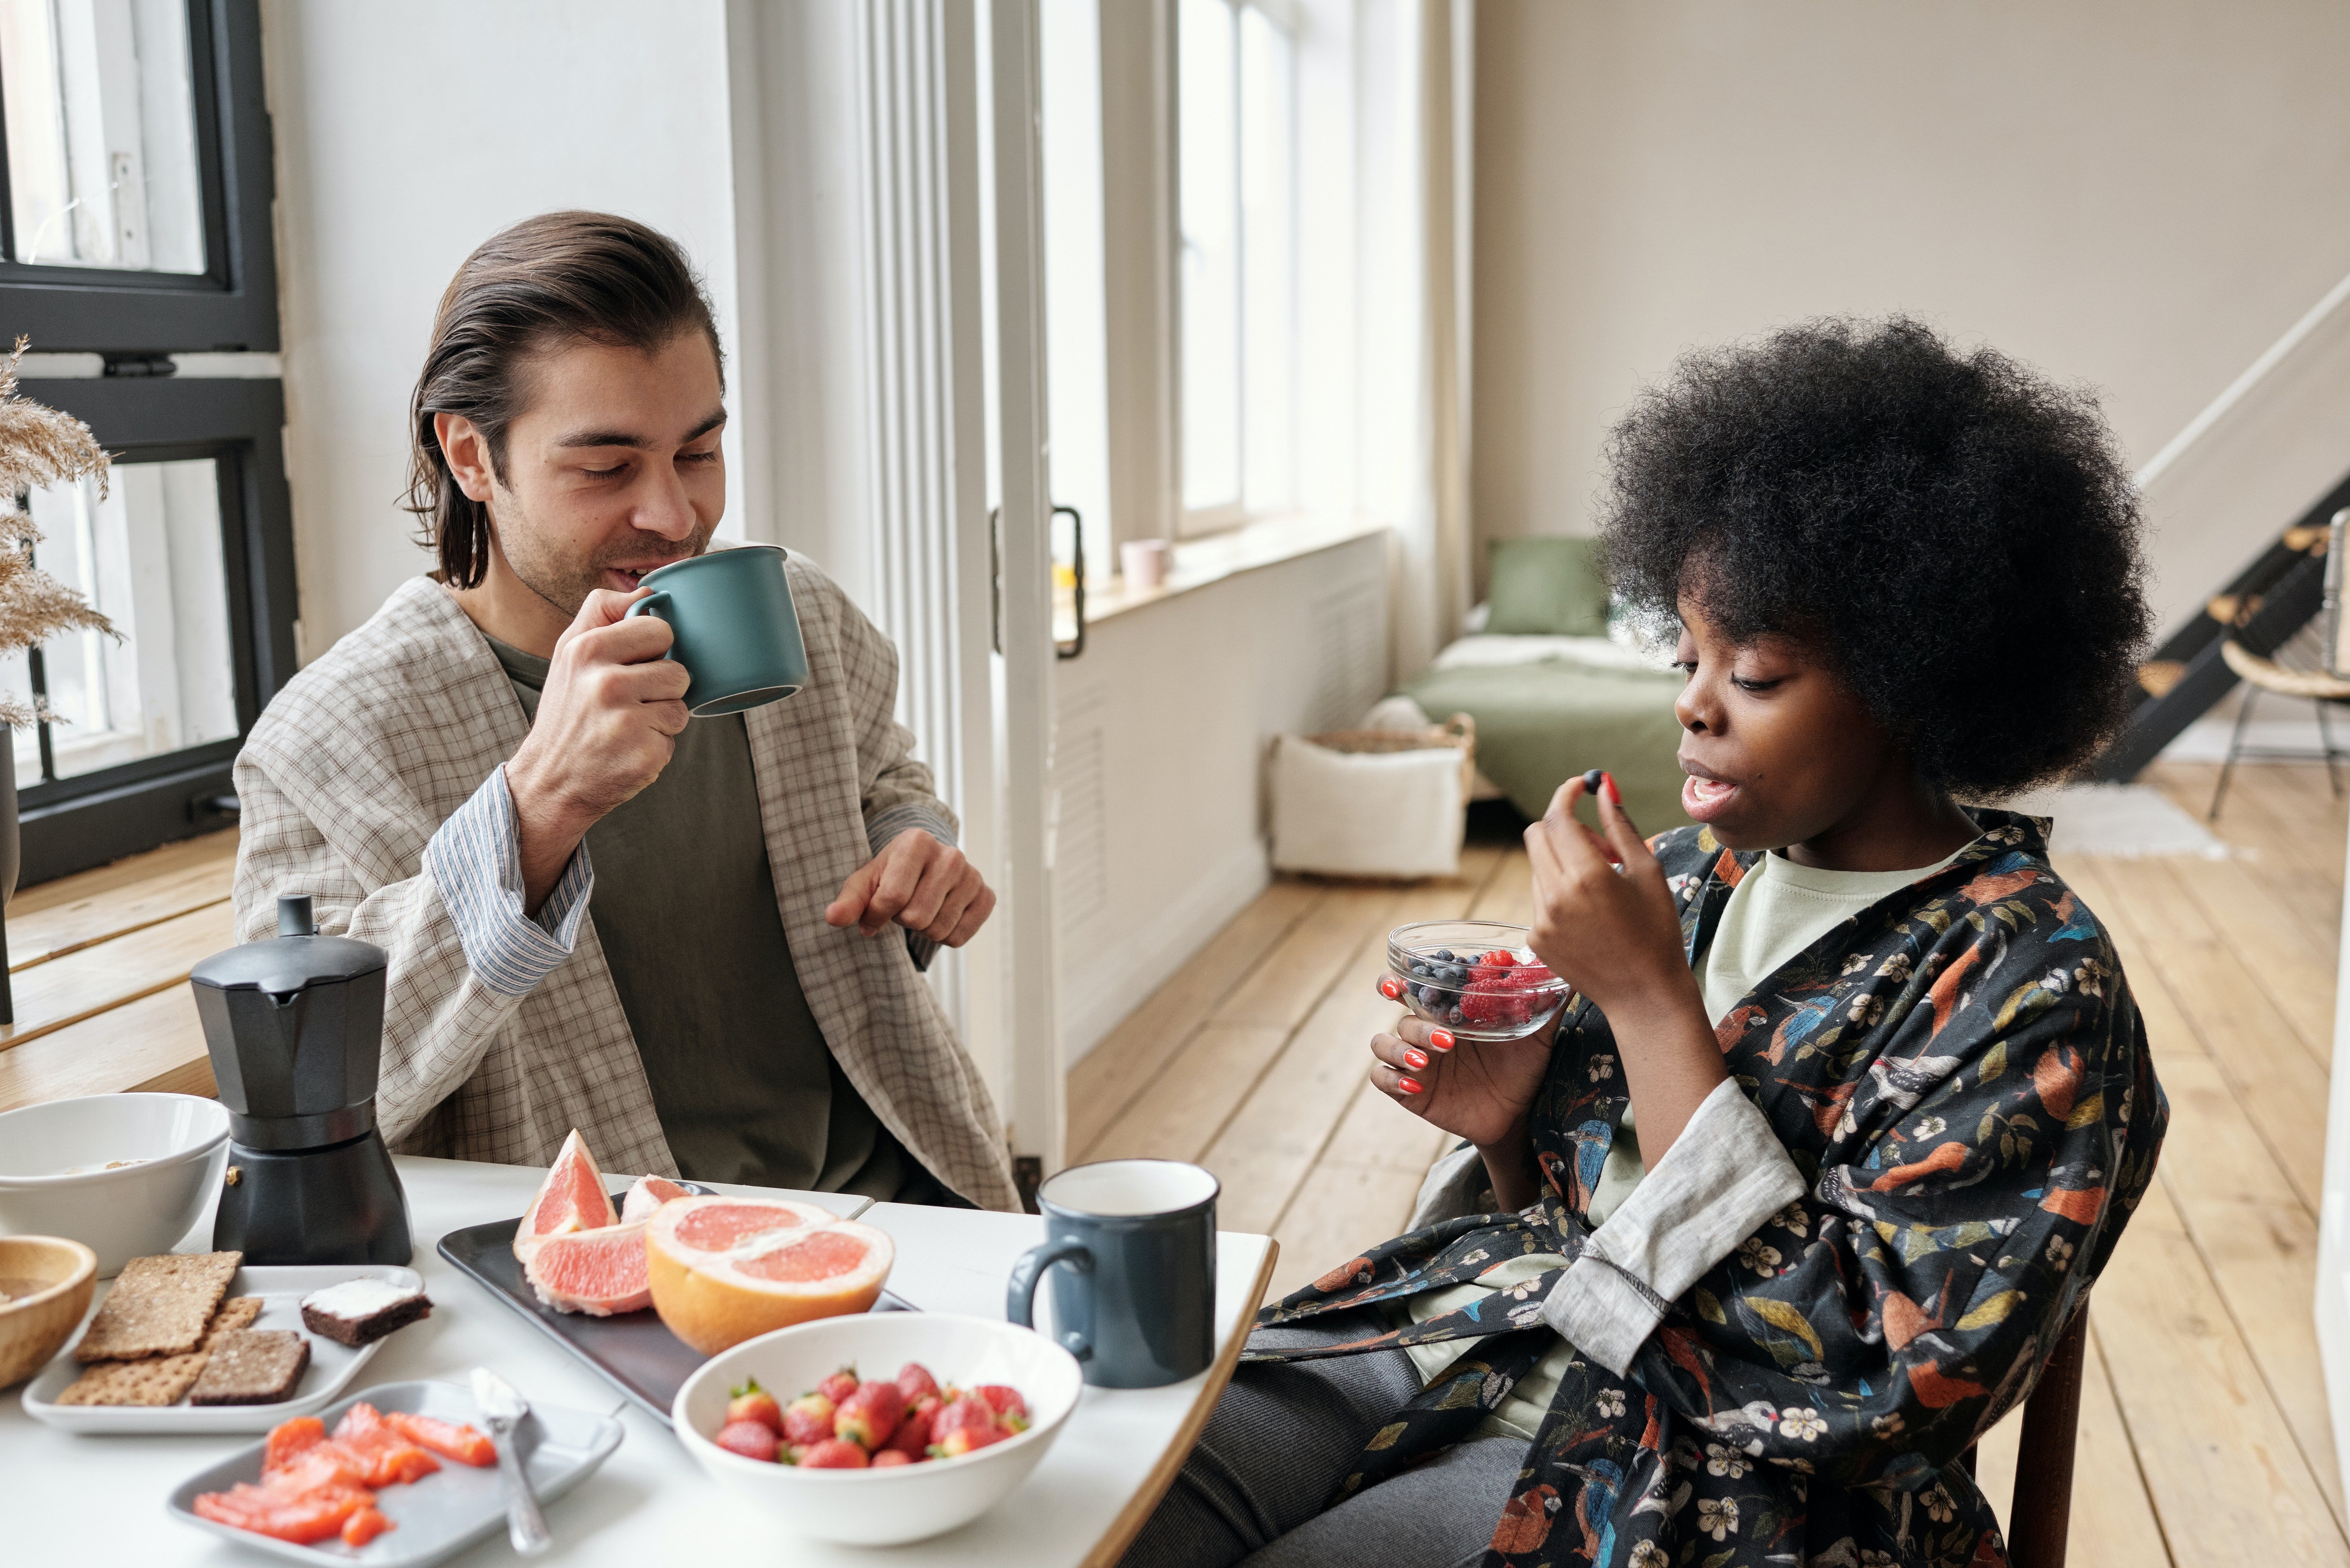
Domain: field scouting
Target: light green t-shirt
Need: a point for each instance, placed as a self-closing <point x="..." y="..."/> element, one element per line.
<point x="1777" y="910"/>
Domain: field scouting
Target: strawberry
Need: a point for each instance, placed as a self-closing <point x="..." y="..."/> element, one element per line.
<point x="835" y="1454"/>
<point x="915" y="1382"/>
<point x="889" y="1457"/>
<point x="868" y="1416"/>
<point x="967" y="1410"/>
<point x="752" y="1439"/>
<point x="753" y="1403"/>
<point x="808" y="1419"/>
<point x="963" y="1440"/>
<point x="839" y="1386"/>
<point x="1005" y="1401"/>
<point x="913" y="1433"/>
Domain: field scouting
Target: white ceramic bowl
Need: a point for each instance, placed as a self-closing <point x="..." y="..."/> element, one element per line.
<point x="53" y="1181"/>
<point x="909" y="1502"/>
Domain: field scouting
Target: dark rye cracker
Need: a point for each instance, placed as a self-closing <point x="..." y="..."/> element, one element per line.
<point x="159" y="1306"/>
<point x="253" y="1367"/>
<point x="157" y="1380"/>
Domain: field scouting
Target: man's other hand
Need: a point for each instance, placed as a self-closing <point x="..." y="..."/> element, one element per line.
<point x="607" y="725"/>
<point x="927" y="886"/>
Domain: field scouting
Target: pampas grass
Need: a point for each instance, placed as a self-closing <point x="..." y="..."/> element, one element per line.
<point x="38" y="446"/>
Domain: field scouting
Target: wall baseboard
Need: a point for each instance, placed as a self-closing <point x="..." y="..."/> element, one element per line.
<point x="1116" y="983"/>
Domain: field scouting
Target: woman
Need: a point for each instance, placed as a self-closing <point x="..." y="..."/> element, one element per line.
<point x="1853" y="1102"/>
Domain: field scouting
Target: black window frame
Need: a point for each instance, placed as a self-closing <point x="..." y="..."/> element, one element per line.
<point x="70" y="825"/>
<point x="231" y="305"/>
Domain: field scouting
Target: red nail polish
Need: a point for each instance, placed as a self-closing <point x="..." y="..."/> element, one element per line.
<point x="1608" y="782"/>
<point x="1408" y="1086"/>
<point x="1415" y="1059"/>
<point x="1441" y="1038"/>
<point x="1390" y="988"/>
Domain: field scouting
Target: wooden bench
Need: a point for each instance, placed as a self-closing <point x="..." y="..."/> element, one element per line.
<point x="98" y="963"/>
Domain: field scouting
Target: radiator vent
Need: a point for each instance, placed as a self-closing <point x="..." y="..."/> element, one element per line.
<point x="1080" y="820"/>
<point x="1350" y="655"/>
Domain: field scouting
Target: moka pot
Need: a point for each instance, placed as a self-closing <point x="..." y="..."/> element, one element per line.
<point x="294" y="1025"/>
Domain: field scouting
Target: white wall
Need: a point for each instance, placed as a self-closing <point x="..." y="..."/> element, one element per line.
<point x="408" y="134"/>
<point x="2138" y="194"/>
<point x="1159" y="759"/>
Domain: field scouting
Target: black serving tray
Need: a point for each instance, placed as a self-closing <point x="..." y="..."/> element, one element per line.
<point x="634" y="1352"/>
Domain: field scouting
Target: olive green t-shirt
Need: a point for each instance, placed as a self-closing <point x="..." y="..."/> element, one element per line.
<point x="684" y="906"/>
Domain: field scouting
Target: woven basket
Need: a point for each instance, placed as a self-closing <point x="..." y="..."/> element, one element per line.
<point x="1460" y="731"/>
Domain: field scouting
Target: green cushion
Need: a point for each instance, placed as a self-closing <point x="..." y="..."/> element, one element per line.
<point x="1547" y="587"/>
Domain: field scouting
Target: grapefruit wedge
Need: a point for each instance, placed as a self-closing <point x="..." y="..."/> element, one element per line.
<point x="598" y="1272"/>
<point x="724" y="1269"/>
<point x="571" y="1198"/>
<point x="648" y="1195"/>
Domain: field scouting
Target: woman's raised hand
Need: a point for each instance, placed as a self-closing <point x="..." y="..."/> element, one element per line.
<point x="1479" y="1092"/>
<point x="1611" y="934"/>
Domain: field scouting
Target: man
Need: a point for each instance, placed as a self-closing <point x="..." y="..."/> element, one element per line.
<point x="697" y="941"/>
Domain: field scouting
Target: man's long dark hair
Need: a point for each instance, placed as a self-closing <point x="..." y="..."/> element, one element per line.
<point x="588" y="275"/>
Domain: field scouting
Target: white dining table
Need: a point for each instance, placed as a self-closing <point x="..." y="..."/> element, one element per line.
<point x="69" y="1499"/>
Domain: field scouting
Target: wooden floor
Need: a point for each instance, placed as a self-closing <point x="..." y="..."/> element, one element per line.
<point x="2204" y="1431"/>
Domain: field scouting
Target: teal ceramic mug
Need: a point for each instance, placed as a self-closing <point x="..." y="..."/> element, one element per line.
<point x="738" y="633"/>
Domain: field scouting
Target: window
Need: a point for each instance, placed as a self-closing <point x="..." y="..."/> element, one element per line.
<point x="1237" y="199"/>
<point x="134" y="225"/>
<point x="138" y="173"/>
<point x="191" y="557"/>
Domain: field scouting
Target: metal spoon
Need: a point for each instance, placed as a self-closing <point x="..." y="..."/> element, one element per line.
<point x="505" y="1408"/>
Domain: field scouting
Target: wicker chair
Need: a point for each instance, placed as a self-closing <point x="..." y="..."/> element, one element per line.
<point x="2296" y="670"/>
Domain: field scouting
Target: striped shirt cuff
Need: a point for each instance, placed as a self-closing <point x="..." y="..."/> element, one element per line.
<point x="475" y="862"/>
<point x="886" y="825"/>
<point x="1722" y="1179"/>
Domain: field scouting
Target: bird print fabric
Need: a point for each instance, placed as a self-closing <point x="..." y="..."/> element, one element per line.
<point x="1963" y="1080"/>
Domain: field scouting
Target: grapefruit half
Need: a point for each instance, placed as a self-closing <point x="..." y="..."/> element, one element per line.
<point x="598" y="1272"/>
<point x="724" y="1269"/>
<point x="571" y="1198"/>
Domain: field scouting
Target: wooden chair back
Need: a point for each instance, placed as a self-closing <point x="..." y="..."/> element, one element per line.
<point x="2042" y="1508"/>
<point x="2041" y="1512"/>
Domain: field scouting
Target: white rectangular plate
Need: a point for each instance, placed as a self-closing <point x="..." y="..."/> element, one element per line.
<point x="449" y="1510"/>
<point x="281" y="1290"/>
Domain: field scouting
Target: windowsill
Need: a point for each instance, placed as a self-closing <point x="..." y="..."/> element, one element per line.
<point x="1201" y="563"/>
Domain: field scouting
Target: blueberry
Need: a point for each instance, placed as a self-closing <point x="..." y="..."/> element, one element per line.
<point x="1452" y="1016"/>
<point x="1591" y="779"/>
<point x="1444" y="955"/>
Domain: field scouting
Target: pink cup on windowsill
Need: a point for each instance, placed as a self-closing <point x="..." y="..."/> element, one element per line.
<point x="1144" y="563"/>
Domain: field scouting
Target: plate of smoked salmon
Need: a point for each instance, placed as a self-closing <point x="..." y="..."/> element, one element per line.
<point x="403" y="1472"/>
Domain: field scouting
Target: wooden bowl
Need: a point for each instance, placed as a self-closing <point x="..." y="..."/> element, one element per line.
<point x="48" y="1280"/>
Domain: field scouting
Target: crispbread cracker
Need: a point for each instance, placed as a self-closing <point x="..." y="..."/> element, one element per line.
<point x="159" y="1380"/>
<point x="159" y="1306"/>
<point x="235" y="1313"/>
<point x="255" y="1366"/>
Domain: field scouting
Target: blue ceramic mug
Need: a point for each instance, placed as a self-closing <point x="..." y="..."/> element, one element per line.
<point x="738" y="632"/>
<point x="1131" y="1244"/>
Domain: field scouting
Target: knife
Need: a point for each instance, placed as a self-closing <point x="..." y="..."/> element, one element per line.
<point x="505" y="1408"/>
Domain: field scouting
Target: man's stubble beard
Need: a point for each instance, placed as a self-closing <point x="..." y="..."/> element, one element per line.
<point x="546" y="570"/>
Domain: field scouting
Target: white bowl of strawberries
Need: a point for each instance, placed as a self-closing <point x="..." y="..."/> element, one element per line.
<point x="880" y="1428"/>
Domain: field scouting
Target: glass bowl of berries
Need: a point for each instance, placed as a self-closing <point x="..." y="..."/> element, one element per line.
<point x="1476" y="978"/>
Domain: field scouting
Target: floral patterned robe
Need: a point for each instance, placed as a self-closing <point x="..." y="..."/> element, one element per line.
<point x="1961" y="1077"/>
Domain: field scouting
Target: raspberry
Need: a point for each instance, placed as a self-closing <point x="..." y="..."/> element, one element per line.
<point x="1489" y="1002"/>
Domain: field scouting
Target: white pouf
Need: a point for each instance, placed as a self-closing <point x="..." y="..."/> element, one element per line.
<point x="1367" y="813"/>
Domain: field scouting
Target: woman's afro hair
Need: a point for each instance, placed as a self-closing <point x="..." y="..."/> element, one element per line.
<point x="1956" y="531"/>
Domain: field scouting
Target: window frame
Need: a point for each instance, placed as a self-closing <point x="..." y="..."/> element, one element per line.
<point x="232" y="306"/>
<point x="1189" y="521"/>
<point x="70" y="825"/>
